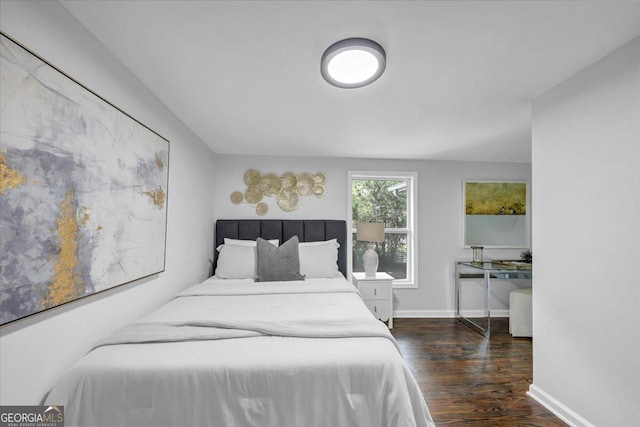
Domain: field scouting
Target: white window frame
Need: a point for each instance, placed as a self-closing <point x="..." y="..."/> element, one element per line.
<point x="412" y="224"/>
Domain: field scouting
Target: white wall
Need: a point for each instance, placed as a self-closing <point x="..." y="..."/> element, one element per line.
<point x="439" y="215"/>
<point x="586" y="240"/>
<point x="35" y="351"/>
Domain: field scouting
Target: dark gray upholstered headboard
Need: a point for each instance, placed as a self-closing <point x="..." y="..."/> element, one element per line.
<point x="307" y="231"/>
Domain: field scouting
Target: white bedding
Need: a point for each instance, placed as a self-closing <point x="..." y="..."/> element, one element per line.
<point x="252" y="379"/>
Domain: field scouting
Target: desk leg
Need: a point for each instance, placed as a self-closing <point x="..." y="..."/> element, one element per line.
<point x="390" y="323"/>
<point x="457" y="291"/>
<point x="487" y="302"/>
<point x="458" y="314"/>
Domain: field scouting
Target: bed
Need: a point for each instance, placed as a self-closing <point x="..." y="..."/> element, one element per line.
<point x="236" y="352"/>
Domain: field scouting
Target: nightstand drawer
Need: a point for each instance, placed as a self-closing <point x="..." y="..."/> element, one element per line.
<point x="379" y="308"/>
<point x="374" y="290"/>
<point x="376" y="294"/>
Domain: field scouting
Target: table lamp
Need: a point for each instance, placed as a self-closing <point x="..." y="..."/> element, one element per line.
<point x="372" y="232"/>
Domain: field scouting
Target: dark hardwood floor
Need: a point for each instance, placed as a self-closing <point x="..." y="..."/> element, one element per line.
<point x="467" y="380"/>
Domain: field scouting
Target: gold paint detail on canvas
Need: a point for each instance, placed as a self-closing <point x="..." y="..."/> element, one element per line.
<point x="495" y="198"/>
<point x="66" y="284"/>
<point x="85" y="216"/>
<point x="9" y="178"/>
<point x="156" y="196"/>
<point x="159" y="162"/>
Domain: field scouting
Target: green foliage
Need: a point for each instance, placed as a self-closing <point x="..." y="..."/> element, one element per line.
<point x="377" y="201"/>
<point x="526" y="256"/>
<point x="373" y="202"/>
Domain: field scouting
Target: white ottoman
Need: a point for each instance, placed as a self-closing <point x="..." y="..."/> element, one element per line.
<point x="520" y="317"/>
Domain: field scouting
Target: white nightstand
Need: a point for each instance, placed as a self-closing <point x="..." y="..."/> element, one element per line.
<point x="377" y="294"/>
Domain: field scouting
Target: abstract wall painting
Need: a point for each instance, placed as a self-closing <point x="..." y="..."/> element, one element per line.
<point x="83" y="189"/>
<point x="496" y="214"/>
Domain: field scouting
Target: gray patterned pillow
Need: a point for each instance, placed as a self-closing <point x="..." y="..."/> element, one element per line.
<point x="278" y="263"/>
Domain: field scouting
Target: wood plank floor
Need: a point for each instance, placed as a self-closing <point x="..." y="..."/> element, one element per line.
<point x="467" y="380"/>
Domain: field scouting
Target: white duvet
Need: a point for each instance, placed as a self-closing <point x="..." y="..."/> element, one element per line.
<point x="244" y="354"/>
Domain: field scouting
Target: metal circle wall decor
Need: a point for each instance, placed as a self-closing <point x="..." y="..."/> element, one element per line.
<point x="237" y="197"/>
<point x="288" y="200"/>
<point x="253" y="194"/>
<point x="287" y="189"/>
<point x="305" y="184"/>
<point x="270" y="184"/>
<point x="252" y="177"/>
<point x="262" y="208"/>
<point x="288" y="180"/>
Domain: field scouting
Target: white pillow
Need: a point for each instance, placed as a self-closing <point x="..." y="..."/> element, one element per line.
<point x="319" y="259"/>
<point x="227" y="241"/>
<point x="238" y="260"/>
<point x="252" y="243"/>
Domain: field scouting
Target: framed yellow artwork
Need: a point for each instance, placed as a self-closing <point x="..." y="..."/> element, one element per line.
<point x="496" y="214"/>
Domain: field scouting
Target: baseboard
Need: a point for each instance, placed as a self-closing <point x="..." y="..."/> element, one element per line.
<point x="558" y="409"/>
<point x="423" y="313"/>
<point x="446" y="313"/>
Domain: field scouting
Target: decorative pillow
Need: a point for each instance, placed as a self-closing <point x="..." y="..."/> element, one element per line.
<point x="238" y="261"/>
<point x="278" y="264"/>
<point x="319" y="259"/>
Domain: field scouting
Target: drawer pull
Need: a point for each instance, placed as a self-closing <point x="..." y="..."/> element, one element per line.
<point x="375" y="291"/>
<point x="375" y="308"/>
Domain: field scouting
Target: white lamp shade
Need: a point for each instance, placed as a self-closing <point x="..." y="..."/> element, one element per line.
<point x="370" y="231"/>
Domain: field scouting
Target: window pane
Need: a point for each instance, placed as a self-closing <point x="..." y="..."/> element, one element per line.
<point x="392" y="254"/>
<point x="376" y="200"/>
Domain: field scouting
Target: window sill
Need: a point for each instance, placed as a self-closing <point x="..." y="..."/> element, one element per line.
<point x="405" y="285"/>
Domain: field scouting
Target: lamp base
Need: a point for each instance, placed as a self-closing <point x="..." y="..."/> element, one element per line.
<point x="370" y="261"/>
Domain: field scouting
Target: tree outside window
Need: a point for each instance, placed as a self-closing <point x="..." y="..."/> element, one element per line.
<point x="376" y="199"/>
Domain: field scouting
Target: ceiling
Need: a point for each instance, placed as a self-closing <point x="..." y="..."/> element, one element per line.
<point x="245" y="75"/>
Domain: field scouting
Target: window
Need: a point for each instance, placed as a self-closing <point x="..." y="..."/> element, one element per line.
<point x="388" y="197"/>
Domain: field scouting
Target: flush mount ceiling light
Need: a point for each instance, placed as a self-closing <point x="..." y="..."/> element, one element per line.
<point x="352" y="63"/>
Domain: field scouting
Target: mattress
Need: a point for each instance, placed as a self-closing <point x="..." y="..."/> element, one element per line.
<point x="239" y="354"/>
